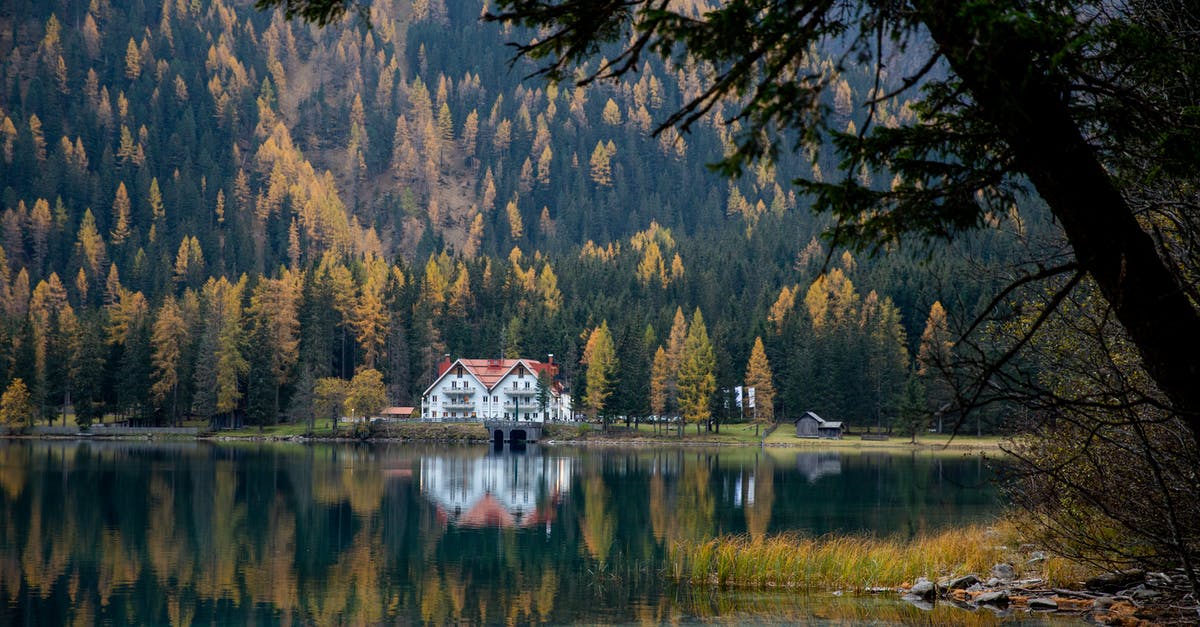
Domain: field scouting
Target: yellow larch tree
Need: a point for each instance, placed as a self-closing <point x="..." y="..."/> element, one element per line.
<point x="759" y="378"/>
<point x="121" y="221"/>
<point x="169" y="335"/>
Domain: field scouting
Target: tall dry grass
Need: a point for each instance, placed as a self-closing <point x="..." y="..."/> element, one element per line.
<point x="845" y="562"/>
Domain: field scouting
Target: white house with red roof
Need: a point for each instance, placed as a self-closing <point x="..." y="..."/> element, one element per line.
<point x="494" y="389"/>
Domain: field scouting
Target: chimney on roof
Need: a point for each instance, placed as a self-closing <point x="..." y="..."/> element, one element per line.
<point x="444" y="364"/>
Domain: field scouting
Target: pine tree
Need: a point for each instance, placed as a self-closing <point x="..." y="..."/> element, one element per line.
<point x="933" y="362"/>
<point x="601" y="360"/>
<point x="16" y="405"/>
<point x="601" y="164"/>
<point x="759" y="378"/>
<point x="675" y="341"/>
<point x="369" y="319"/>
<point x="133" y="60"/>
<point x="274" y="313"/>
<point x="90" y="246"/>
<point x="697" y="373"/>
<point x="659" y="376"/>
<point x="516" y="227"/>
<point x="121" y="221"/>
<point x="170" y="335"/>
<point x="155" y="201"/>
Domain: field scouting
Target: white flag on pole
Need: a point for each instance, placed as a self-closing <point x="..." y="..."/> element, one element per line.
<point x="750" y="396"/>
<point x="737" y="396"/>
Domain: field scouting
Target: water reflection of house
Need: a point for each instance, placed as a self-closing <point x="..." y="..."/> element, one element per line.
<point x="816" y="465"/>
<point x="496" y="491"/>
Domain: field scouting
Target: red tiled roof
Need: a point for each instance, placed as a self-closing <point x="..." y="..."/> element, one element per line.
<point x="488" y="512"/>
<point x="490" y="371"/>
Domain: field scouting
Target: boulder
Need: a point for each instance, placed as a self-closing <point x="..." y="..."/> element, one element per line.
<point x="917" y="602"/>
<point x="1003" y="572"/>
<point x="1042" y="603"/>
<point x="1112" y="582"/>
<point x="1142" y="593"/>
<point x="999" y="597"/>
<point x="923" y="588"/>
<point x="962" y="583"/>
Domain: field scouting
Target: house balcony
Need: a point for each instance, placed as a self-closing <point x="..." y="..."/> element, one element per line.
<point x="519" y="392"/>
<point x="524" y="407"/>
<point x="458" y="405"/>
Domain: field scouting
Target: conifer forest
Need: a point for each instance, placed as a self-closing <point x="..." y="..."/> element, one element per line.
<point x="208" y="209"/>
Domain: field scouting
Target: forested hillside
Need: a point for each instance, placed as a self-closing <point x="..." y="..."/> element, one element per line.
<point x="206" y="210"/>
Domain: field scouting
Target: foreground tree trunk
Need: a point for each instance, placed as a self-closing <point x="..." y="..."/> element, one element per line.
<point x="1029" y="107"/>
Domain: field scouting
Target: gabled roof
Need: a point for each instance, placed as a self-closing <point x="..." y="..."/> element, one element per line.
<point x="821" y="422"/>
<point x="813" y="415"/>
<point x="489" y="372"/>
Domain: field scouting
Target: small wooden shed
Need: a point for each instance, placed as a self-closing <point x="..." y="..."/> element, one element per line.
<point x="397" y="413"/>
<point x="810" y="425"/>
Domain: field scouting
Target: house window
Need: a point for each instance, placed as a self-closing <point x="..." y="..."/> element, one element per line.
<point x="526" y="385"/>
<point x="506" y="415"/>
<point x="433" y="398"/>
<point x="495" y="399"/>
<point x="454" y="385"/>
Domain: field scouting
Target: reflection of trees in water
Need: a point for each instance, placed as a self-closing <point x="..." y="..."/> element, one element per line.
<point x="760" y="490"/>
<point x="326" y="534"/>
<point x="598" y="525"/>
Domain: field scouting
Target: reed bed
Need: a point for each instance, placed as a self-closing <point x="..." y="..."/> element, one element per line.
<point x="858" y="563"/>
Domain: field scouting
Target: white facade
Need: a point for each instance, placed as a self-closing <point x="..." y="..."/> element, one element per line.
<point x="493" y="389"/>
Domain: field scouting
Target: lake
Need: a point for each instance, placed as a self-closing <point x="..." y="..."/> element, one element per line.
<point x="199" y="533"/>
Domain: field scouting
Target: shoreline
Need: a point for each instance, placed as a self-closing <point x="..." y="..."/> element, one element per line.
<point x="733" y="435"/>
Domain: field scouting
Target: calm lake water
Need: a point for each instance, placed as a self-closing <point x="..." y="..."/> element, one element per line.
<point x="199" y="533"/>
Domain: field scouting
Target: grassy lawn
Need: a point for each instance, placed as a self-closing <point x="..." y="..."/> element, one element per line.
<point x="730" y="434"/>
<point x="443" y="432"/>
<point x="786" y="436"/>
<point x="274" y="431"/>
